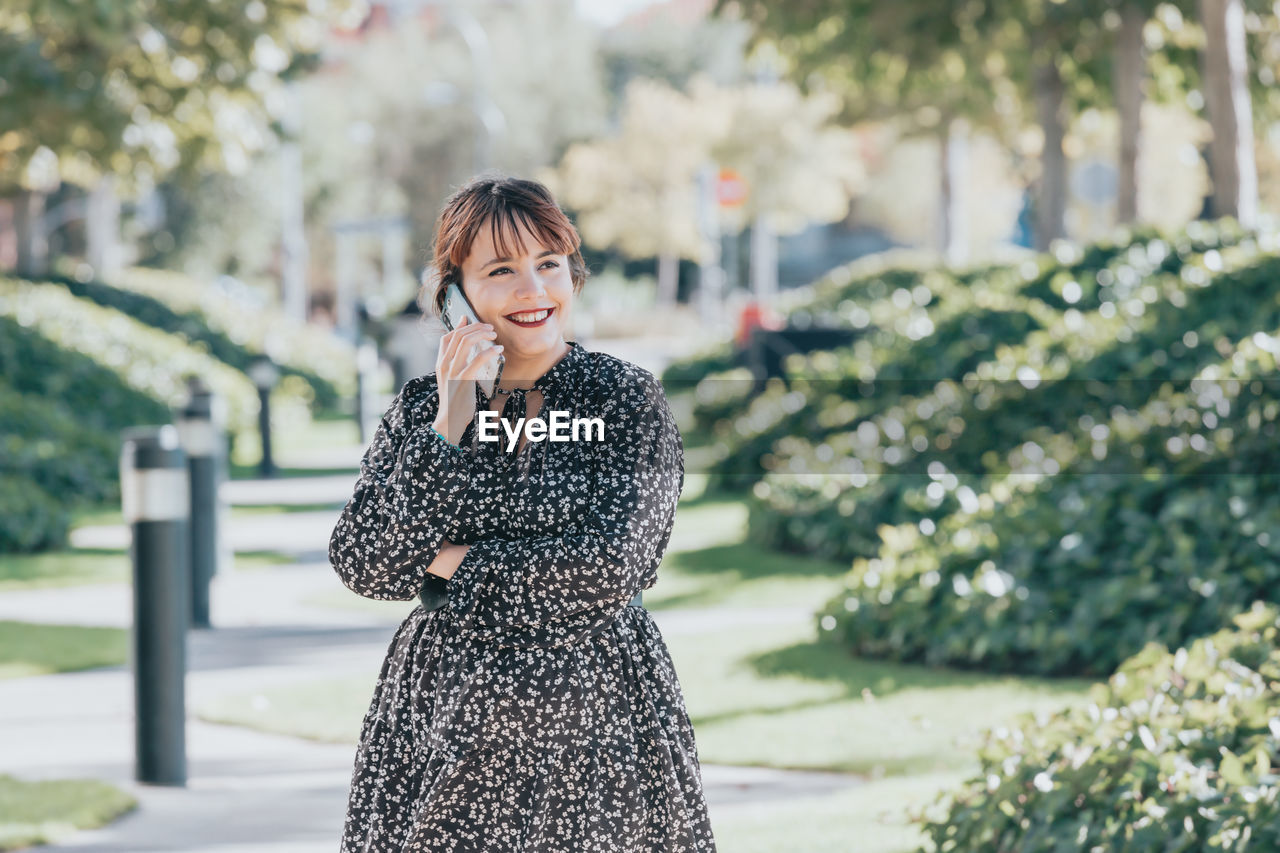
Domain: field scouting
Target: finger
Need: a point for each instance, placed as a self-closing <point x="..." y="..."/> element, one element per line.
<point x="471" y="331"/>
<point x="480" y="359"/>
<point x="467" y="336"/>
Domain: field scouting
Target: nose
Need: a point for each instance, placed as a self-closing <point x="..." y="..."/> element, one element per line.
<point x="529" y="286"/>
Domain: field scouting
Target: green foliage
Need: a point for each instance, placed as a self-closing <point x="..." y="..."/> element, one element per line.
<point x="193" y="326"/>
<point x="693" y="368"/>
<point x="1176" y="752"/>
<point x="918" y="325"/>
<point x="141" y="88"/>
<point x="48" y="810"/>
<point x="30" y="519"/>
<point x="74" y="375"/>
<point x="1057" y="528"/>
<point x="98" y="397"/>
<point x="60" y="416"/>
<point x="146" y="358"/>
<point x="301" y="349"/>
<point x="48" y="461"/>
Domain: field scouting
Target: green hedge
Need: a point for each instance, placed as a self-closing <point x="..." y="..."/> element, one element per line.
<point x="45" y="442"/>
<point x="1178" y="751"/>
<point x="146" y="358"/>
<point x="1161" y="539"/>
<point x="193" y="326"/>
<point x="979" y="426"/>
<point x="99" y="396"/>
<point x="301" y="347"/>
<point x="61" y="413"/>
<point x="31" y="519"/>
<point x="1156" y="524"/>
<point x="923" y="325"/>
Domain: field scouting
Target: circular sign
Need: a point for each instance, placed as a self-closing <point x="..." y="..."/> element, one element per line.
<point x="731" y="189"/>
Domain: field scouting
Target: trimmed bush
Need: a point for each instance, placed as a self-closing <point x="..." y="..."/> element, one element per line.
<point x="192" y="326"/>
<point x="30" y="518"/>
<point x="298" y="346"/>
<point x="1165" y="533"/>
<point x="921" y="326"/>
<point x="145" y="358"/>
<point x="1178" y="751"/>
<point x="61" y="414"/>
<point x="1157" y="524"/>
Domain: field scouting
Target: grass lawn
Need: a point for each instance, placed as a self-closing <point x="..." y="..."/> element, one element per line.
<point x="29" y="649"/>
<point x="76" y="566"/>
<point x="45" y="812"/>
<point x="775" y="696"/>
<point x="875" y="814"/>
<point x="281" y="509"/>
<point x="69" y="567"/>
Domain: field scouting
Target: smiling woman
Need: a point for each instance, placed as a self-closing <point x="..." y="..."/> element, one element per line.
<point x="530" y="702"/>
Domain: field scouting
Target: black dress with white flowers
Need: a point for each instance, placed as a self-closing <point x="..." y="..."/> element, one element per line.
<point x="537" y="711"/>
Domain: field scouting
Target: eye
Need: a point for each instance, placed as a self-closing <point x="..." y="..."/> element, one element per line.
<point x="498" y="270"/>
<point x="553" y="263"/>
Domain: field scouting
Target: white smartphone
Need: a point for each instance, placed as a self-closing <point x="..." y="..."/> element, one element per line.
<point x="456" y="307"/>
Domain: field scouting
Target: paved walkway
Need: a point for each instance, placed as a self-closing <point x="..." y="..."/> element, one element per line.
<point x="249" y="791"/>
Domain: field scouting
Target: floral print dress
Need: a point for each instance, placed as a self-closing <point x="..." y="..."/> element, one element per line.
<point x="537" y="711"/>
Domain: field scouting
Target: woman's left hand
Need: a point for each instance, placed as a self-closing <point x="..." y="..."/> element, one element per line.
<point x="447" y="561"/>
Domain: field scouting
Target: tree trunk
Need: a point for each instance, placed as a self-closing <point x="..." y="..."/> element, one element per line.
<point x="953" y="231"/>
<point x="1051" y="198"/>
<point x="1226" y="90"/>
<point x="668" y="279"/>
<point x="1129" y="83"/>
<point x="33" y="249"/>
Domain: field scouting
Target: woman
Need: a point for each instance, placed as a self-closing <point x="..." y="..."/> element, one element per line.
<point x="537" y="709"/>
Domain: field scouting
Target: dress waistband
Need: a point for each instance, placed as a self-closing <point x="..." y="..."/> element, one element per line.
<point x="434" y="594"/>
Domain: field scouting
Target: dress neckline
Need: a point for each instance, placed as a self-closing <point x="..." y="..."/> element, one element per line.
<point x="557" y="374"/>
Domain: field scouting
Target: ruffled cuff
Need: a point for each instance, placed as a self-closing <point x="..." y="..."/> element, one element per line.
<point x="466" y="578"/>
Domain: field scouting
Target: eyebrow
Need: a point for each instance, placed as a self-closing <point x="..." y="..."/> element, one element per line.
<point x="509" y="260"/>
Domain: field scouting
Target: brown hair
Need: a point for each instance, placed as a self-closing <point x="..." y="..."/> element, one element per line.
<point x="502" y="202"/>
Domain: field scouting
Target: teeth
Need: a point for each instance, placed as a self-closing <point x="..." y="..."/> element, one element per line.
<point x="530" y="318"/>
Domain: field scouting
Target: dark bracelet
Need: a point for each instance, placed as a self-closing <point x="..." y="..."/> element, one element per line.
<point x="434" y="593"/>
<point x="442" y="438"/>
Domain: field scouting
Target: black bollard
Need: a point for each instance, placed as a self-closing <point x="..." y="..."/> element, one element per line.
<point x="155" y="494"/>
<point x="199" y="430"/>
<point x="264" y="374"/>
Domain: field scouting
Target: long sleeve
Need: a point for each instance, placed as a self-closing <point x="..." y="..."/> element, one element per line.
<point x="410" y="483"/>
<point x="637" y="474"/>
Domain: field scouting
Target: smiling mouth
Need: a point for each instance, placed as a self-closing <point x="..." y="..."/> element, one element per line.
<point x="531" y="319"/>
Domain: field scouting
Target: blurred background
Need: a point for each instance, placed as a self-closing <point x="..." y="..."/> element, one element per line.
<point x="968" y="310"/>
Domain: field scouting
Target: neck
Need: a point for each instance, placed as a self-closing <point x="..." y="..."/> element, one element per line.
<point x="522" y="373"/>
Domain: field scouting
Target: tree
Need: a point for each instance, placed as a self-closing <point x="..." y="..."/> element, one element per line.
<point x="137" y="90"/>
<point x="974" y="63"/>
<point x="914" y="62"/>
<point x="636" y="191"/>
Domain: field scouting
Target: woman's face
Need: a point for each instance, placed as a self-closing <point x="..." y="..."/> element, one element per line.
<point x="505" y="291"/>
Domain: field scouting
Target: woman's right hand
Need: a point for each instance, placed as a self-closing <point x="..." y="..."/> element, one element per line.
<point x="456" y="375"/>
